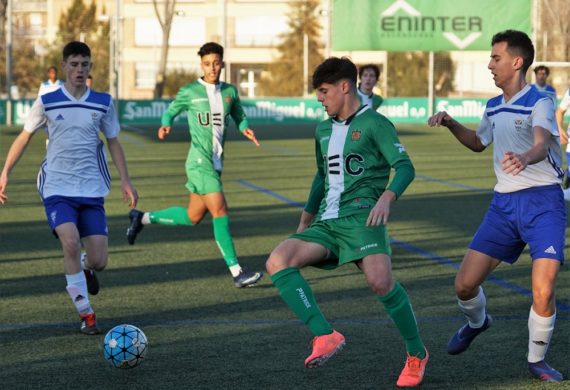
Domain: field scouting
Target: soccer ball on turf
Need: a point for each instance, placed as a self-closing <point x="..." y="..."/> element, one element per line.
<point x="125" y="346"/>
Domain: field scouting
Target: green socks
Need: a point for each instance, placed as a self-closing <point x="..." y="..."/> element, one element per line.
<point x="224" y="239"/>
<point x="297" y="294"/>
<point x="397" y="304"/>
<point x="179" y="216"/>
<point x="171" y="216"/>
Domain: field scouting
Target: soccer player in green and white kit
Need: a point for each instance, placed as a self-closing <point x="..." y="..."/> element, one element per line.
<point x="209" y="104"/>
<point x="345" y="218"/>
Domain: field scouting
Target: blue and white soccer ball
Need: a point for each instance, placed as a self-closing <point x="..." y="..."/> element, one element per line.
<point x="125" y="346"/>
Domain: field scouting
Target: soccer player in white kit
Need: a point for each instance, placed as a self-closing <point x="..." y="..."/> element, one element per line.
<point x="528" y="205"/>
<point x="74" y="176"/>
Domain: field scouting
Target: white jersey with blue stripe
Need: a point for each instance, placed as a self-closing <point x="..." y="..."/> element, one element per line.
<point x="509" y="125"/>
<point x="549" y="91"/>
<point x="75" y="162"/>
<point x="48" y="86"/>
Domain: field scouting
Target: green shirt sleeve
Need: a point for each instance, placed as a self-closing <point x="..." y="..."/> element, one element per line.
<point x="237" y="113"/>
<point x="318" y="187"/>
<point x="179" y="104"/>
<point x="396" y="155"/>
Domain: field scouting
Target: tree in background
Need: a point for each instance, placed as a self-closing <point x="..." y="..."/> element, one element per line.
<point x="175" y="79"/>
<point x="408" y="74"/>
<point x="82" y="23"/>
<point x="284" y="77"/>
<point x="165" y="20"/>
<point x="553" y="36"/>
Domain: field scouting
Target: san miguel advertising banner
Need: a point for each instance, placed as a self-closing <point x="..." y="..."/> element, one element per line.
<point x="425" y="25"/>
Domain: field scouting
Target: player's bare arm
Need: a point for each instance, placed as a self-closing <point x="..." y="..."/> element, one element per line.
<point x="249" y="134"/>
<point x="163" y="132"/>
<point x="560" y="122"/>
<point x="14" y="154"/>
<point x="128" y="191"/>
<point x="513" y="163"/>
<point x="381" y="210"/>
<point x="305" y="221"/>
<point x="466" y="136"/>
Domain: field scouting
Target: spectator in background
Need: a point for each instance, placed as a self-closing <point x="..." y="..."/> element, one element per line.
<point x="52" y="83"/>
<point x="541" y="73"/>
<point x="369" y="75"/>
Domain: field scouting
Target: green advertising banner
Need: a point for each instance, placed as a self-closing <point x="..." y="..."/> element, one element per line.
<point x="425" y="25"/>
<point x="258" y="111"/>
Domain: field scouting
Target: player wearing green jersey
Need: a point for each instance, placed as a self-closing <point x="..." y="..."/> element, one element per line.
<point x="369" y="75"/>
<point x="209" y="104"/>
<point x="345" y="218"/>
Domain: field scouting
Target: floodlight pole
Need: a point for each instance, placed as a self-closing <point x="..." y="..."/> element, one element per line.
<point x="305" y="64"/>
<point x="430" y="84"/>
<point x="9" y="118"/>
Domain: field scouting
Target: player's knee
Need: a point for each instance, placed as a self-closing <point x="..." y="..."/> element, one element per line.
<point x="542" y="296"/>
<point x="381" y="285"/>
<point x="464" y="290"/>
<point x="278" y="260"/>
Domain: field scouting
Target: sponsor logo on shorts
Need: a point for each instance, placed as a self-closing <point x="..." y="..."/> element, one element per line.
<point x="550" y="250"/>
<point x="400" y="148"/>
<point x="303" y="297"/>
<point x="368" y="246"/>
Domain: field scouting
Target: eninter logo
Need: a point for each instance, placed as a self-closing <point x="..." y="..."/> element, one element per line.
<point x="415" y="24"/>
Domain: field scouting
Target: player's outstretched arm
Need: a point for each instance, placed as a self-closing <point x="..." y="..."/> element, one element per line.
<point x="250" y="135"/>
<point x="163" y="132"/>
<point x="129" y="192"/>
<point x="14" y="154"/>
<point x="464" y="135"/>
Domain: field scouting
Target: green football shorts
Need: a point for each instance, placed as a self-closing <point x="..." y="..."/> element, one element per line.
<point x="348" y="239"/>
<point x="203" y="182"/>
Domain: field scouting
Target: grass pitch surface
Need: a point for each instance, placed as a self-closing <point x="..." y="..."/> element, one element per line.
<point x="206" y="334"/>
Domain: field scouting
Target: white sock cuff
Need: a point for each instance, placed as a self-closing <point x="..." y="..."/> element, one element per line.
<point x="480" y="297"/>
<point x="75" y="278"/>
<point x="145" y="219"/>
<point x="544" y="321"/>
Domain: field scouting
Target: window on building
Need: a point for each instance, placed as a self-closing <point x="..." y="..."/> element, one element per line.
<point x="185" y="31"/>
<point x="260" y="31"/>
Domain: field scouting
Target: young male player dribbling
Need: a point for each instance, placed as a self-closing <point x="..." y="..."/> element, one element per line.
<point x="345" y="218"/>
<point x="527" y="206"/>
<point x="209" y="104"/>
<point x="74" y="177"/>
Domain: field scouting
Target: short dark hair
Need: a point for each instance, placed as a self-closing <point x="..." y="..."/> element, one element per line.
<point x="211" y="48"/>
<point x="546" y="69"/>
<point x="518" y="43"/>
<point x="76" y="48"/>
<point x="334" y="69"/>
<point x="52" y="68"/>
<point x="372" y="67"/>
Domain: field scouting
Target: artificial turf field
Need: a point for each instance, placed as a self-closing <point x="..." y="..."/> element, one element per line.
<point x="206" y="334"/>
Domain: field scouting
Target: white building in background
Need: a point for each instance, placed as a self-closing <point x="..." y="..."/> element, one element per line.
<point x="249" y="30"/>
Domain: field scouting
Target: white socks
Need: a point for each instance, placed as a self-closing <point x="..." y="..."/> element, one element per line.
<point x="77" y="290"/>
<point x="474" y="309"/>
<point x="235" y="270"/>
<point x="540" y="331"/>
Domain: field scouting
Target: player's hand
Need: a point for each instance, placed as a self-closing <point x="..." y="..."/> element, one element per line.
<point x="250" y="135"/>
<point x="130" y="194"/>
<point x="163" y="131"/>
<point x="513" y="163"/>
<point x="381" y="210"/>
<point x="442" y="118"/>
